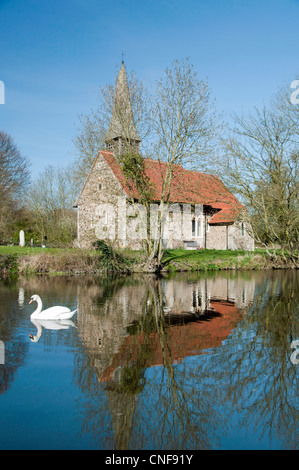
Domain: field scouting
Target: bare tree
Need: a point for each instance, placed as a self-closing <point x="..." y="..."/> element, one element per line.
<point x="260" y="165"/>
<point x="184" y="117"/>
<point x="51" y="201"/>
<point x="14" y="179"/>
<point x="14" y="170"/>
<point x="185" y="126"/>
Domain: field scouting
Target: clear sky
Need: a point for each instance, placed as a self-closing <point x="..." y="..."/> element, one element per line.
<point x="54" y="54"/>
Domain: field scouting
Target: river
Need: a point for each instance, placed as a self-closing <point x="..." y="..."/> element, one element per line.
<point x="188" y="361"/>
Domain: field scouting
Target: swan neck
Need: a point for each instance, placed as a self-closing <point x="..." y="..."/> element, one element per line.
<point x="39" y="308"/>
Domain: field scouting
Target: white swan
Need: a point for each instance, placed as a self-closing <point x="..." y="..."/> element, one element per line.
<point x="53" y="313"/>
<point x="49" y="325"/>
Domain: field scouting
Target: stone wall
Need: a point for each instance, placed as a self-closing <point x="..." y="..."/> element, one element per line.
<point x="97" y="201"/>
<point x="240" y="237"/>
<point x="216" y="237"/>
<point x="234" y="236"/>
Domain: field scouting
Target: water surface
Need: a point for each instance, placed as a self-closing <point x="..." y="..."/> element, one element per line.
<point x="191" y="361"/>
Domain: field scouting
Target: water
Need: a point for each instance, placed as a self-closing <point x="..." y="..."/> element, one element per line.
<point x="192" y="361"/>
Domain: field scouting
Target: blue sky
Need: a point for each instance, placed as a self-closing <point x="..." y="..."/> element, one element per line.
<point x="55" y="54"/>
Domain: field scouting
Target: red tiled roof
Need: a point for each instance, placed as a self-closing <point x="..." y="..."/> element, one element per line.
<point x="184" y="340"/>
<point x="186" y="187"/>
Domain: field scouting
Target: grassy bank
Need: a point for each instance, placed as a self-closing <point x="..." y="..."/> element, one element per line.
<point x="214" y="260"/>
<point x="55" y="261"/>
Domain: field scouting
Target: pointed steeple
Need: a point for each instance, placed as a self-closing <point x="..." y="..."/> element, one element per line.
<point x="122" y="133"/>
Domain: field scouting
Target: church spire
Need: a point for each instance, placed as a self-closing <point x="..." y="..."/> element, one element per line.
<point x="122" y="134"/>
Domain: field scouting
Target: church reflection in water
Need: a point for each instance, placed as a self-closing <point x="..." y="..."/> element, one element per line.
<point x="116" y="322"/>
<point x="130" y="325"/>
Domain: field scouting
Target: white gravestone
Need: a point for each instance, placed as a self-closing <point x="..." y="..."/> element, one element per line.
<point x="22" y="238"/>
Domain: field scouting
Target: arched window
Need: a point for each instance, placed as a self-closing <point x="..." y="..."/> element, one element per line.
<point x="196" y="228"/>
<point x="242" y="229"/>
<point x="193" y="227"/>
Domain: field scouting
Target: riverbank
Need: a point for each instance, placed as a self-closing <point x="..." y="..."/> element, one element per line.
<point x="15" y="261"/>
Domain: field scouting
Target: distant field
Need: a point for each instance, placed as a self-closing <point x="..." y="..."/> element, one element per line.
<point x="28" y="250"/>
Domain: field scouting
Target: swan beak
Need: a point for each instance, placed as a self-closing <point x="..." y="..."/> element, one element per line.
<point x="30" y="336"/>
<point x="30" y="301"/>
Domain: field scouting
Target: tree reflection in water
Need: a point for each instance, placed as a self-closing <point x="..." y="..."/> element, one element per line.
<point x="177" y="359"/>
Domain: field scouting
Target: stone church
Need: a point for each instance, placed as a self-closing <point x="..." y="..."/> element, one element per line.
<point x="202" y="212"/>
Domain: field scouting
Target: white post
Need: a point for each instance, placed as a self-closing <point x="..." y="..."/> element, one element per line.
<point x="2" y="353"/>
<point x="22" y="238"/>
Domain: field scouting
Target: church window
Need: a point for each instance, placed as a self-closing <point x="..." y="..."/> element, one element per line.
<point x="198" y="228"/>
<point x="193" y="228"/>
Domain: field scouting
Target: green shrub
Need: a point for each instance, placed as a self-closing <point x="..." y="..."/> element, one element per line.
<point x="8" y="265"/>
<point x="110" y="259"/>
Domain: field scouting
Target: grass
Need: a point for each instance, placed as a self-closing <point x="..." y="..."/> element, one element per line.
<point x="203" y="255"/>
<point x="28" y="250"/>
<point x="213" y="260"/>
<point x="201" y="258"/>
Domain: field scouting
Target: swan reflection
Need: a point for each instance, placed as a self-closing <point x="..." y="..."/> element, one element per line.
<point x="49" y="325"/>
